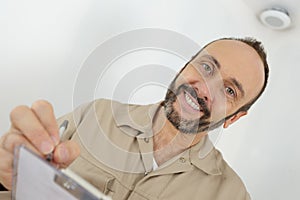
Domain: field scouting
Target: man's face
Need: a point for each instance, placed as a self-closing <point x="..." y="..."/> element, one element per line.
<point x="226" y="75"/>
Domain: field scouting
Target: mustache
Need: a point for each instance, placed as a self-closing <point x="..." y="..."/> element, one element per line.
<point x="193" y="93"/>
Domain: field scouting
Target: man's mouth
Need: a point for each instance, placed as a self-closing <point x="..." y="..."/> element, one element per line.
<point x="192" y="102"/>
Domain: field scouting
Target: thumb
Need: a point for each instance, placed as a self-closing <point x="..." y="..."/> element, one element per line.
<point x="65" y="153"/>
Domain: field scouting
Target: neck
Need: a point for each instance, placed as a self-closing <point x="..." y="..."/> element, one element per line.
<point x="168" y="141"/>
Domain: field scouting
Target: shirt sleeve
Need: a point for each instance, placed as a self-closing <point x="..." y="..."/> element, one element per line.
<point x="5" y="195"/>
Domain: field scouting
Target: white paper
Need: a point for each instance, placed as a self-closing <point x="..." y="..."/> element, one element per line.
<point x="34" y="180"/>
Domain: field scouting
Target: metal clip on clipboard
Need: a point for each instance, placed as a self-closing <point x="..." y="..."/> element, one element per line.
<point x="73" y="188"/>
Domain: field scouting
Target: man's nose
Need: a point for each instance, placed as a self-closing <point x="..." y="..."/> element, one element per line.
<point x="205" y="92"/>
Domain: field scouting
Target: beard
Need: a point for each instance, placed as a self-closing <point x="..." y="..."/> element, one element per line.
<point x="188" y="126"/>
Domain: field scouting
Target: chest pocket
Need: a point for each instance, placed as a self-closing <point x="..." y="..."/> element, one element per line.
<point x="99" y="178"/>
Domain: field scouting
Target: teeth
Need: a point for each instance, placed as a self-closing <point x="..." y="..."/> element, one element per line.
<point x="191" y="103"/>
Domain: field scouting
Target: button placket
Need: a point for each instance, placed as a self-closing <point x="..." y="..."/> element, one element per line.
<point x="146" y="148"/>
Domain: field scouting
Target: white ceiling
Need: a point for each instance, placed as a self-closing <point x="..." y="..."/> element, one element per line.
<point x="45" y="43"/>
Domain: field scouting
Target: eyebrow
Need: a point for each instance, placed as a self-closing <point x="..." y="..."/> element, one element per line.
<point x="238" y="85"/>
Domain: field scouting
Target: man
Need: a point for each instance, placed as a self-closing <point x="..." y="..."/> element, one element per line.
<point x="158" y="151"/>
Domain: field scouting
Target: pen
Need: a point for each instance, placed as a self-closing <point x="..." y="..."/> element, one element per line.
<point x="62" y="128"/>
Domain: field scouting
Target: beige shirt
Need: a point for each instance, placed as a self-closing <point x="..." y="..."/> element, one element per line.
<point x="117" y="157"/>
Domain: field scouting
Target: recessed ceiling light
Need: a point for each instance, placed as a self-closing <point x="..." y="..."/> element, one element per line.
<point x="275" y="18"/>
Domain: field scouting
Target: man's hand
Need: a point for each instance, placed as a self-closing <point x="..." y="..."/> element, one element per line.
<point x="36" y="128"/>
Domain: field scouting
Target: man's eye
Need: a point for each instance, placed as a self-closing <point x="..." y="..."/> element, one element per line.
<point x="230" y="91"/>
<point x="208" y="69"/>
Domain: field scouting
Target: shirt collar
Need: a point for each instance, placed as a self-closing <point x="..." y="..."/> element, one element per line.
<point x="202" y="155"/>
<point x="135" y="116"/>
<point x="205" y="157"/>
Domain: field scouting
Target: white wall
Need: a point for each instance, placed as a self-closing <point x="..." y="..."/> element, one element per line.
<point x="44" y="45"/>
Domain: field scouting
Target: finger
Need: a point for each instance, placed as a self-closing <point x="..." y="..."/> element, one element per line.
<point x="6" y="168"/>
<point x="7" y="180"/>
<point x="65" y="153"/>
<point x="7" y="161"/>
<point x="12" y="140"/>
<point x="25" y="121"/>
<point x="45" y="113"/>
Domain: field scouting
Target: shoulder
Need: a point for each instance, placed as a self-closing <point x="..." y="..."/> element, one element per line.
<point x="230" y="179"/>
<point x="99" y="106"/>
<point x="111" y="105"/>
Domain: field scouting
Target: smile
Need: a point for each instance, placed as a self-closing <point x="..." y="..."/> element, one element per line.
<point x="190" y="102"/>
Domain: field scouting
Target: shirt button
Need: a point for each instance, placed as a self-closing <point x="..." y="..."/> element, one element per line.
<point x="146" y="140"/>
<point x="182" y="159"/>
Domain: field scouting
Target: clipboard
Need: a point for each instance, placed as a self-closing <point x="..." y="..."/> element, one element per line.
<point x="34" y="178"/>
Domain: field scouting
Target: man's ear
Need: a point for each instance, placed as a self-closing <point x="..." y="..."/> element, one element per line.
<point x="234" y="118"/>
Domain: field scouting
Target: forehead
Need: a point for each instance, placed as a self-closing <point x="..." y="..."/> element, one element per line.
<point x="239" y="61"/>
